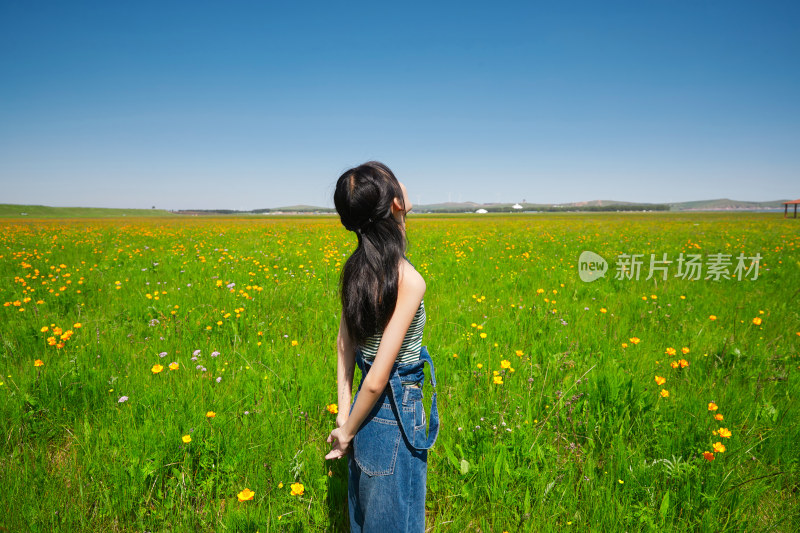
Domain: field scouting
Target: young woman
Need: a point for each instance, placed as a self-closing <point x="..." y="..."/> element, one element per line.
<point x="383" y="317"/>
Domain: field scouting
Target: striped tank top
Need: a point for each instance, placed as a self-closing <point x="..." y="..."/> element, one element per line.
<point x="412" y="343"/>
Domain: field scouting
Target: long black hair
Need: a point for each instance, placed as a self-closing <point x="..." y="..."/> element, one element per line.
<point x="368" y="285"/>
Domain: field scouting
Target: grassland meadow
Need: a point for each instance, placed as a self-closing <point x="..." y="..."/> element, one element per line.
<point x="178" y="374"/>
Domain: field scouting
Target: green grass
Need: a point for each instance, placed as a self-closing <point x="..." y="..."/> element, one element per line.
<point x="578" y="434"/>
<point x="43" y="211"/>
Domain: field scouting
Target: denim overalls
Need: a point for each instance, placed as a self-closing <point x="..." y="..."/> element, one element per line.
<point x="388" y="466"/>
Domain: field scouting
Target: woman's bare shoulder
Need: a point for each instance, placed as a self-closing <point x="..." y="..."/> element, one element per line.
<point x="410" y="280"/>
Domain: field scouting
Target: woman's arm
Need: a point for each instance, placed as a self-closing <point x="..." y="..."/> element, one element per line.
<point x="345" y="366"/>
<point x="410" y="291"/>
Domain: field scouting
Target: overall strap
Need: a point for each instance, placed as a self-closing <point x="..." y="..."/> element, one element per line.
<point x="397" y="392"/>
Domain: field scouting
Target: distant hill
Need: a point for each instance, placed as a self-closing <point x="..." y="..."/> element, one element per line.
<point x="722" y="204"/>
<point x="725" y="204"/>
<point x="43" y="211"/>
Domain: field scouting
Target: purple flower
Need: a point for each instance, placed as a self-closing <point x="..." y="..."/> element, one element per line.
<point x="122" y="399"/>
<point x="196" y="353"/>
<point x="162" y="354"/>
<point x="219" y="379"/>
<point x="214" y="353"/>
<point x="230" y="285"/>
<point x="194" y="358"/>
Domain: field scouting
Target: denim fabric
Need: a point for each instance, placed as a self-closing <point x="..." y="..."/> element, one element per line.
<point x="388" y="466"/>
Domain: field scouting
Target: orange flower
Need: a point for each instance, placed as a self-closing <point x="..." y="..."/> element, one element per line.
<point x="333" y="408"/>
<point x="674" y="364"/>
<point x="505" y="364"/>
<point x="670" y="351"/>
<point x="684" y="363"/>
<point x="297" y="489"/>
<point x="156" y="368"/>
<point x="712" y="406"/>
<point x="245" y="495"/>
<point x="718" y="416"/>
<point x="719" y="447"/>
<point x="757" y="321"/>
<point x="211" y="414"/>
<point x="635" y="340"/>
<point x="685" y="350"/>
<point x="38" y="362"/>
<point x="712" y="317"/>
<point x="664" y="393"/>
<point x="294" y="343"/>
<point x="660" y="380"/>
<point x="725" y="432"/>
<point x="708" y="455"/>
<point x="603" y="310"/>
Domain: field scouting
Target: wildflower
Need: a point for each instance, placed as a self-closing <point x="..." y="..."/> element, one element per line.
<point x="162" y="354"/>
<point x="708" y="455"/>
<point x="297" y="489"/>
<point x="670" y="351"/>
<point x="196" y="353"/>
<point x="122" y="399"/>
<point x="718" y="416"/>
<point x="245" y="495"/>
<point x="660" y="380"/>
<point x="498" y="380"/>
<point x="480" y="365"/>
<point x="519" y="353"/>
<point x="156" y="368"/>
<point x="219" y="379"/>
<point x="684" y="363"/>
<point x="725" y="432"/>
<point x="664" y="393"/>
<point x="603" y="310"/>
<point x="211" y="414"/>
<point x="674" y="364"/>
<point x="620" y="481"/>
<point x="38" y="362"/>
<point x="483" y="335"/>
<point x="186" y="439"/>
<point x="635" y="340"/>
<point x="757" y="321"/>
<point x="505" y="364"/>
<point x="455" y="356"/>
<point x="332" y="408"/>
<point x="44" y="328"/>
<point x="719" y="447"/>
<point x="712" y="317"/>
<point x="624" y="344"/>
<point x="684" y="350"/>
<point x="280" y="485"/>
<point x="173" y="366"/>
<point x="712" y="406"/>
<point x="214" y="353"/>
<point x="294" y="343"/>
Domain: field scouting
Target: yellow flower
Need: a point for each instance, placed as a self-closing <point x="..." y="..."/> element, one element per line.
<point x="483" y="335"/>
<point x="620" y="481"/>
<point x="725" y="432"/>
<point x="718" y="416"/>
<point x="498" y="380"/>
<point x="333" y="408"/>
<point x="211" y="414"/>
<point x="480" y="365"/>
<point x="712" y="317"/>
<point x="156" y="368"/>
<point x="280" y="485"/>
<point x="294" y="343"/>
<point x="712" y="406"/>
<point x="44" y="328"/>
<point x="505" y="364"/>
<point x="624" y="344"/>
<point x="173" y="366"/>
<point x="77" y="325"/>
<point x="186" y="439"/>
<point x="674" y="364"/>
<point x="297" y="489"/>
<point x="519" y="353"/>
<point x="757" y="321"/>
<point x="660" y="380"/>
<point x="603" y="310"/>
<point x="664" y="393"/>
<point x="719" y="447"/>
<point x="38" y="362"/>
<point x="635" y="340"/>
<point x="245" y="495"/>
<point x="685" y="350"/>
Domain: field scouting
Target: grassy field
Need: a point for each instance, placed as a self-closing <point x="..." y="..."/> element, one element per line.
<point x="155" y="368"/>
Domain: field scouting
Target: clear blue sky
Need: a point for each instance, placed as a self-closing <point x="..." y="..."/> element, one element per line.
<point x="244" y="105"/>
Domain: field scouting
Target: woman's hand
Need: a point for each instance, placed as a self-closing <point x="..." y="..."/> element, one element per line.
<point x="340" y="443"/>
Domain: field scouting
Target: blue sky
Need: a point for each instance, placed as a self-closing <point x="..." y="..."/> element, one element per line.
<point x="243" y="105"/>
